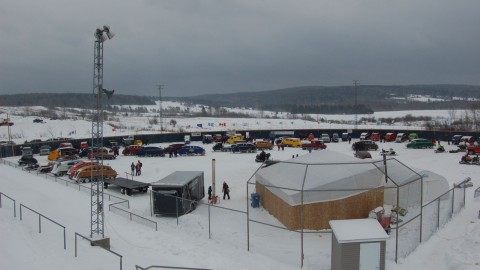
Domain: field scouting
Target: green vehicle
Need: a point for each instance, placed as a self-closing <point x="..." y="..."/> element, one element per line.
<point x="420" y="143"/>
<point x="412" y="136"/>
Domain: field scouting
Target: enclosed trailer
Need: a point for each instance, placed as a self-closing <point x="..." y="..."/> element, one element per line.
<point x="177" y="193"/>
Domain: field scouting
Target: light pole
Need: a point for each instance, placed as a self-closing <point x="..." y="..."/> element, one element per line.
<point x="96" y="201"/>
<point x="160" y="87"/>
<point x="355" y="83"/>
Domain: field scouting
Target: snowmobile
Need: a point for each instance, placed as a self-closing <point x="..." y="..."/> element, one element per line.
<point x="440" y="149"/>
<point x="27" y="160"/>
<point x="466" y="159"/>
<point x="262" y="157"/>
<point x="389" y="152"/>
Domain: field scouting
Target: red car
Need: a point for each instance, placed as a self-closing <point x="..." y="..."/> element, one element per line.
<point x="314" y="145"/>
<point x="390" y="137"/>
<point x="375" y="137"/>
<point x="131" y="150"/>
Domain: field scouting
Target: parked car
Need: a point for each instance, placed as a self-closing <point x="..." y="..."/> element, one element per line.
<point x="235" y="138"/>
<point x="191" y="150"/>
<point x="412" y="136"/>
<point x="401" y="137"/>
<point x="244" y="148"/>
<point x="345" y="137"/>
<point x="390" y="137"/>
<point x="63" y="153"/>
<point x="37" y="120"/>
<point x="364" y="136"/>
<point x="314" y="145"/>
<point x="456" y="139"/>
<point x="86" y="173"/>
<point x="219" y="146"/>
<point x="264" y="145"/>
<point x="420" y="143"/>
<point x="173" y="147"/>
<point x="335" y="137"/>
<point x="207" y="138"/>
<point x="364" y="145"/>
<point x="85" y="151"/>
<point x="325" y="137"/>
<point x="151" y="151"/>
<point x="375" y="137"/>
<point x="292" y="142"/>
<point x="45" y="150"/>
<point x="97" y="154"/>
<point x="131" y="150"/>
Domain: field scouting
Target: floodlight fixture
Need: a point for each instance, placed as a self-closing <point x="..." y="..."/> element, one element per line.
<point x="107" y="31"/>
<point x="103" y="33"/>
<point x="109" y="93"/>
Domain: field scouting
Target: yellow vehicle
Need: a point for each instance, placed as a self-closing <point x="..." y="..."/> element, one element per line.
<point x="235" y="138"/>
<point x="138" y="142"/>
<point x="86" y="173"/>
<point x="292" y="142"/>
<point x="264" y="145"/>
<point x="63" y="153"/>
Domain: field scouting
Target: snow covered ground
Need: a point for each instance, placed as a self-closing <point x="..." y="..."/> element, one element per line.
<point x="187" y="244"/>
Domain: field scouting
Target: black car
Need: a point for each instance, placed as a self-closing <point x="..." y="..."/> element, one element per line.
<point x="244" y="148"/>
<point x="364" y="145"/>
<point x="150" y="151"/>
<point x="37" y="120"/>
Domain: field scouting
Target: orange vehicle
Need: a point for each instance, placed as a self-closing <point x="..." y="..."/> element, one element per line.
<point x="71" y="172"/>
<point x="89" y="173"/>
<point x="131" y="150"/>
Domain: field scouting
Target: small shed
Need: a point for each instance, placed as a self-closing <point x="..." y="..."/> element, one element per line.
<point x="358" y="244"/>
<point x="178" y="193"/>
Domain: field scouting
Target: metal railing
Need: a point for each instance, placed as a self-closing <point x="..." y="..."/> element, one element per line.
<point x="14" y="203"/>
<point x="131" y="215"/>
<point x="93" y="243"/>
<point x="40" y="223"/>
<point x="168" y="267"/>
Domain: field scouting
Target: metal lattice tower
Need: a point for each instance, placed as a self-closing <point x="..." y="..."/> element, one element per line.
<point x="96" y="201"/>
<point x="355" y="120"/>
<point x="160" y="87"/>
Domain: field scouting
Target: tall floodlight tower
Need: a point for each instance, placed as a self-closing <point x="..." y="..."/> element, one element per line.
<point x="96" y="208"/>
<point x="160" y="87"/>
<point x="355" y="120"/>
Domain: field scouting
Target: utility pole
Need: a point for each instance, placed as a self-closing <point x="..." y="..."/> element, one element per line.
<point x="355" y="83"/>
<point x="160" y="87"/>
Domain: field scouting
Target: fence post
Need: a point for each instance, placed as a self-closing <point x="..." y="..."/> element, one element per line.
<point x="20" y="211"/>
<point x="75" y="244"/>
<point x="0" y="200"/>
<point x="453" y="199"/>
<point x="39" y="223"/>
<point x="176" y="207"/>
<point x="209" y="231"/>
<point x="438" y="214"/>
<point x="64" y="239"/>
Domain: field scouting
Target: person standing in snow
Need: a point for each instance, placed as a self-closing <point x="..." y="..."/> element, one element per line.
<point x="226" y="190"/>
<point x="132" y="167"/>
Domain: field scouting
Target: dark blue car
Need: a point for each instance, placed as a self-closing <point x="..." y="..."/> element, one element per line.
<point x="150" y="151"/>
<point x="191" y="150"/>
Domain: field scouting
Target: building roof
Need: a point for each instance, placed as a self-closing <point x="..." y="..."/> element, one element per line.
<point x="178" y="178"/>
<point x="358" y="230"/>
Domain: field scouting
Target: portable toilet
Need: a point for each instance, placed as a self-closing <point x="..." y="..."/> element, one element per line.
<point x="358" y="244"/>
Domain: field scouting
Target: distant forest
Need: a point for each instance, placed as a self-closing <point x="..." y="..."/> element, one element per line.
<point x="296" y="100"/>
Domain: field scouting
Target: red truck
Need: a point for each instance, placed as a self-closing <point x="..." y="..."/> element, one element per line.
<point x="473" y="149"/>
<point x="314" y="145"/>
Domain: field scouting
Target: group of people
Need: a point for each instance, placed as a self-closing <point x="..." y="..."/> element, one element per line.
<point x="225" y="191"/>
<point x="136" y="168"/>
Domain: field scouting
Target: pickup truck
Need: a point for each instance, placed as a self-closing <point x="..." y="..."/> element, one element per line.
<point x="221" y="147"/>
<point x="314" y="145"/>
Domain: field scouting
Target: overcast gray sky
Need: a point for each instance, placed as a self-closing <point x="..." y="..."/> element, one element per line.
<point x="224" y="46"/>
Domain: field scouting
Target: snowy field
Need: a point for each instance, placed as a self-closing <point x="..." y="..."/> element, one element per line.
<point x="187" y="244"/>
